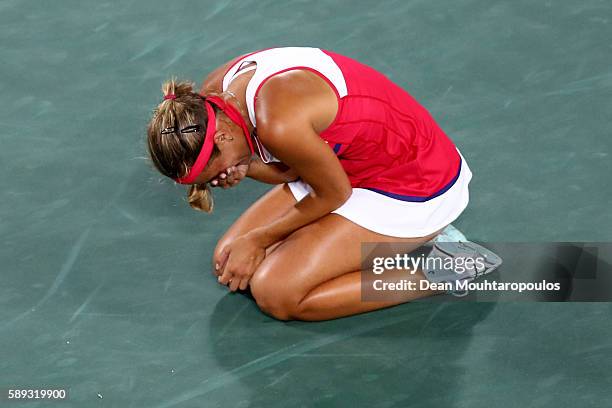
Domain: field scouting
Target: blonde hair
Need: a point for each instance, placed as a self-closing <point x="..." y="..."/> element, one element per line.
<point x="174" y="153"/>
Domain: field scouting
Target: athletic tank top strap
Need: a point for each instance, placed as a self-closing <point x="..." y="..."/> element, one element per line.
<point x="242" y="71"/>
<point x="276" y="60"/>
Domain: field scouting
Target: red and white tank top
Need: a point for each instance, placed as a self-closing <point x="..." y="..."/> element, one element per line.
<point x="385" y="140"/>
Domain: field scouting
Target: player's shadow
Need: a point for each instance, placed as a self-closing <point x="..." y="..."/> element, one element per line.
<point x="396" y="355"/>
<point x="419" y="351"/>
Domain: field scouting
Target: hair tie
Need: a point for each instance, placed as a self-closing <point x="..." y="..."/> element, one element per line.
<point x="169" y="96"/>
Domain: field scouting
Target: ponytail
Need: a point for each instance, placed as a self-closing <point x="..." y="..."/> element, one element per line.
<point x="200" y="197"/>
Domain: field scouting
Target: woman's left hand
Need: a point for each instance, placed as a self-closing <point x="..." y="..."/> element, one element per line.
<point x="231" y="176"/>
<point x="243" y="256"/>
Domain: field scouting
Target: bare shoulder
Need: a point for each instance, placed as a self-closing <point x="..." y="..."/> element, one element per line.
<point x="293" y="99"/>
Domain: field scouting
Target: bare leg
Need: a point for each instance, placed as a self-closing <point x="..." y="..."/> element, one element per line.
<point x="341" y="296"/>
<point x="314" y="274"/>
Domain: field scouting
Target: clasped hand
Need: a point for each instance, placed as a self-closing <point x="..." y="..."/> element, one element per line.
<point x="238" y="262"/>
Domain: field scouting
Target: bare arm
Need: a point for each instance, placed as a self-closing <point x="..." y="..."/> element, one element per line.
<point x="288" y="131"/>
<point x="291" y="109"/>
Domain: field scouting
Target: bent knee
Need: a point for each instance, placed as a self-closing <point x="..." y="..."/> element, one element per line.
<point x="274" y="298"/>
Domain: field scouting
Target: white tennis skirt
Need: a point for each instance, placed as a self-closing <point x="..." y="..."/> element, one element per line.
<point x="396" y="218"/>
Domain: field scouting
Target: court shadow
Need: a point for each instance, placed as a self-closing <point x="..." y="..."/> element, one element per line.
<point x="422" y="353"/>
<point x="390" y="357"/>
